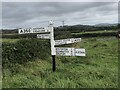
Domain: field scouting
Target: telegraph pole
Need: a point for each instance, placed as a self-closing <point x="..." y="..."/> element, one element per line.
<point x="63" y="22"/>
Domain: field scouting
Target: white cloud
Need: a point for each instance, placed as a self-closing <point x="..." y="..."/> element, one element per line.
<point x="31" y="14"/>
<point x="60" y="0"/>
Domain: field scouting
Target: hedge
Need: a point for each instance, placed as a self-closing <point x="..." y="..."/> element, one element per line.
<point x="25" y="50"/>
<point x="95" y="34"/>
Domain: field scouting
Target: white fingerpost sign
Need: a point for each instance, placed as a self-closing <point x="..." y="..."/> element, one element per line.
<point x="44" y="36"/>
<point x="33" y="30"/>
<point x="80" y="52"/>
<point x="41" y="30"/>
<point x="25" y="31"/>
<point x="59" y="51"/>
<point x="63" y="51"/>
<point x="67" y="41"/>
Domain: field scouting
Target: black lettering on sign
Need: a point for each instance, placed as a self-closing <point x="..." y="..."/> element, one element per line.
<point x="26" y="30"/>
<point x="80" y="52"/>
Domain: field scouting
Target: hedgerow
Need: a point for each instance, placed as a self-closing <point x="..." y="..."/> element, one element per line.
<point x="25" y="50"/>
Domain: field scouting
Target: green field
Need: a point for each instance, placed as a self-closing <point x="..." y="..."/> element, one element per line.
<point x="98" y="69"/>
<point x="95" y="32"/>
<point x="9" y="40"/>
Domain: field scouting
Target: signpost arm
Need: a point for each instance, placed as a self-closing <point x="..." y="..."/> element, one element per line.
<point x="53" y="52"/>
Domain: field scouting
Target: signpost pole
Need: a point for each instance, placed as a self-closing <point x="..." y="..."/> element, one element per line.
<point x="53" y="51"/>
<point x="54" y="63"/>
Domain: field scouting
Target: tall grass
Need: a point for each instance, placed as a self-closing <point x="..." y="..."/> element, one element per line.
<point x="99" y="69"/>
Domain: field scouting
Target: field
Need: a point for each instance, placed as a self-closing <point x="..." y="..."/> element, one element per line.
<point x="98" y="69"/>
<point x="94" y="32"/>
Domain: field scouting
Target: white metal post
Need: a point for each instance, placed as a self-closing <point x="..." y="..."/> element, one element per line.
<point x="53" y="52"/>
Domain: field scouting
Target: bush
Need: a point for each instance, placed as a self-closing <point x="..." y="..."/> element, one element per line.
<point x="62" y="34"/>
<point x="16" y="36"/>
<point x="25" y="50"/>
<point x="95" y="34"/>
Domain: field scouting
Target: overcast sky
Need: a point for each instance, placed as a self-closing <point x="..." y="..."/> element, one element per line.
<point x="37" y="14"/>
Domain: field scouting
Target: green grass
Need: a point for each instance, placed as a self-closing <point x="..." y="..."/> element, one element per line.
<point x="99" y="69"/>
<point x="9" y="40"/>
<point x="1" y="79"/>
<point x="94" y="32"/>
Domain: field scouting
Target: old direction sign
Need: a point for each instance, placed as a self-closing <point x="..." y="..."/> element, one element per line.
<point x="44" y="36"/>
<point x="25" y="31"/>
<point x="67" y="41"/>
<point x="33" y="30"/>
<point x="63" y="51"/>
<point x="41" y="30"/>
<point x="79" y="52"/>
<point x="59" y="51"/>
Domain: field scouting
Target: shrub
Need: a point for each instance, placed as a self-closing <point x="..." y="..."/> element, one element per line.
<point x="95" y="34"/>
<point x="62" y="34"/>
<point x="25" y="50"/>
<point x="16" y="36"/>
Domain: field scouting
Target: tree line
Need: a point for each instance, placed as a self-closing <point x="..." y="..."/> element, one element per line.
<point x="84" y="28"/>
<point x="74" y="28"/>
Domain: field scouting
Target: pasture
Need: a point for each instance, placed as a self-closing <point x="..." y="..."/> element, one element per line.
<point x="99" y="69"/>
